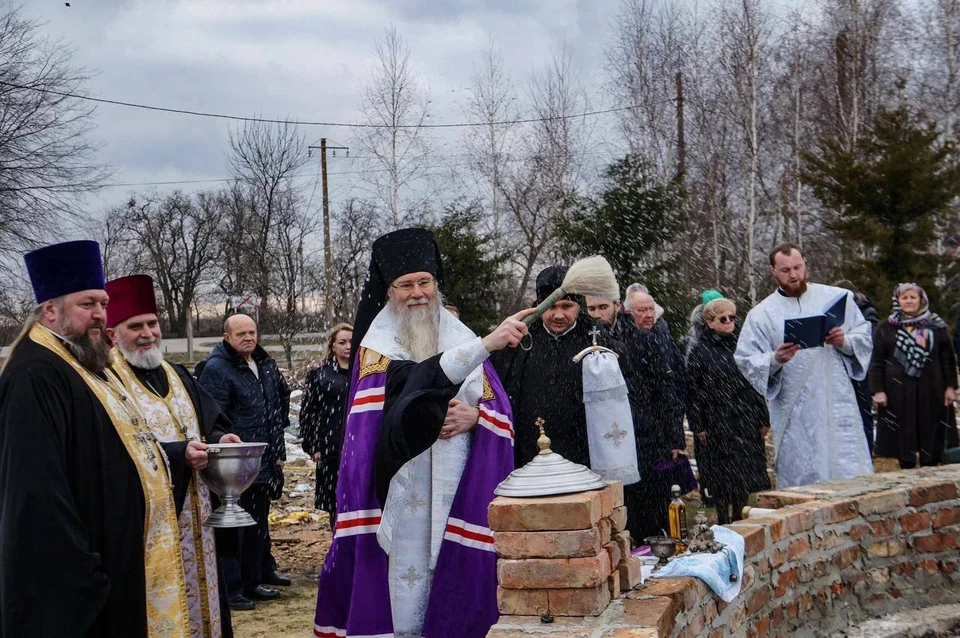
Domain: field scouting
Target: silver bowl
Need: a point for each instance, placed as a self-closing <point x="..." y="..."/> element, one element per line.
<point x="663" y="547"/>
<point x="231" y="469"/>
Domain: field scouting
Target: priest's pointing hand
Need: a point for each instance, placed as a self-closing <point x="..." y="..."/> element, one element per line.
<point x="508" y="333"/>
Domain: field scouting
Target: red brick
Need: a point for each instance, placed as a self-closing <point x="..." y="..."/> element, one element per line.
<point x="845" y="557"/>
<point x="932" y="493"/>
<point x="904" y="569"/>
<point x="753" y="537"/>
<point x="590" y="601"/>
<point x="859" y="531"/>
<point x="613" y="583"/>
<point x="887" y="548"/>
<point x="793" y="610"/>
<point x="831" y="539"/>
<point x="619" y="519"/>
<point x="673" y="588"/>
<point x="626" y="632"/>
<point x="624" y="541"/>
<point x="798" y="548"/>
<point x="776" y="558"/>
<point x="777" y="526"/>
<point x="606" y="501"/>
<point x="606" y="530"/>
<point x="553" y="573"/>
<point x="546" y="513"/>
<point x="629" y="569"/>
<point x="613" y="551"/>
<point x="570" y="544"/>
<point x="784" y="581"/>
<point x="839" y="511"/>
<point x="929" y="566"/>
<point x="758" y="600"/>
<point x="616" y="490"/>
<point x="806" y="602"/>
<point x="762" y="627"/>
<point x="883" y="527"/>
<point x="710" y="612"/>
<point x="799" y="520"/>
<point x="776" y="499"/>
<point x="932" y="543"/>
<point x="656" y="612"/>
<point x="776" y="618"/>
<point x="946" y="516"/>
<point x="915" y="522"/>
<point x="881" y="502"/>
<point x="522" y="602"/>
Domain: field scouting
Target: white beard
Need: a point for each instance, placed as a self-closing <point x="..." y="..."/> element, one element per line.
<point x="147" y="360"/>
<point x="419" y="329"/>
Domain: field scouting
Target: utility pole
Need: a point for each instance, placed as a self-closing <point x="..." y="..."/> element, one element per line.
<point x="681" y="144"/>
<point x="327" y="250"/>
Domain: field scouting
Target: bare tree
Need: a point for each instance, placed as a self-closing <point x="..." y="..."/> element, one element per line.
<point x="173" y="239"/>
<point x="396" y="150"/>
<point x="491" y="102"/>
<point x="355" y="229"/>
<point x="46" y="160"/>
<point x="265" y="157"/>
<point x="539" y="190"/>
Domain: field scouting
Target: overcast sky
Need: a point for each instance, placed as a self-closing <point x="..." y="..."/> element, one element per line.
<point x="303" y="59"/>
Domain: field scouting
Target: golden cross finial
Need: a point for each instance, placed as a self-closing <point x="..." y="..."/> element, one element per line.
<point x="543" y="442"/>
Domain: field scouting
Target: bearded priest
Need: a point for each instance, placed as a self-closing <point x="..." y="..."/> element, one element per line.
<point x="428" y="437"/>
<point x="181" y="414"/>
<point x="83" y="481"/>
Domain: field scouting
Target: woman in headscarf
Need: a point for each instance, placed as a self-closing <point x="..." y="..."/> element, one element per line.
<point x="913" y="375"/>
<point x="727" y="416"/>
<point x="321" y="415"/>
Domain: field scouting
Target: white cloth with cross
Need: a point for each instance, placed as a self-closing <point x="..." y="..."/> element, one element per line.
<point x="610" y="434"/>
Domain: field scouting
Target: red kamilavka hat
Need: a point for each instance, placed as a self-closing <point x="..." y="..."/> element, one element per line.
<point x="129" y="297"/>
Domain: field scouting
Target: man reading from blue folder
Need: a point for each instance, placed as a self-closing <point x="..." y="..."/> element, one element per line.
<point x="817" y="431"/>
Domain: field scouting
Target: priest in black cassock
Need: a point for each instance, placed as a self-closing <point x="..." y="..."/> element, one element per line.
<point x="543" y="380"/>
<point x="182" y="416"/>
<point x="82" y="480"/>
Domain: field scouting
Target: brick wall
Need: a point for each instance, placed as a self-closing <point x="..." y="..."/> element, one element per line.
<point x="832" y="555"/>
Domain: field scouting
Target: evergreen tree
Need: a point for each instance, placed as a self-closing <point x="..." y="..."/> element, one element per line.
<point x="891" y="192"/>
<point x="631" y="223"/>
<point x="472" y="279"/>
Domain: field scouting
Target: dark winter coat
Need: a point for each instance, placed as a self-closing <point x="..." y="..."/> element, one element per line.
<point x="913" y="419"/>
<point x="258" y="408"/>
<point x="544" y="382"/>
<point x="321" y="426"/>
<point x="722" y="403"/>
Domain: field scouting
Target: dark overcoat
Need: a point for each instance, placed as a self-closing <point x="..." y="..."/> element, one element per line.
<point x="722" y="403"/>
<point x="914" y="418"/>
<point x="321" y="426"/>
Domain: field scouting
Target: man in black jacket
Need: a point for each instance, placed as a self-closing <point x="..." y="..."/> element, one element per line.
<point x="245" y="381"/>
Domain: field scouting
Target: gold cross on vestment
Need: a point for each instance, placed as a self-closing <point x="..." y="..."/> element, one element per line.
<point x="617" y="434"/>
<point x="415" y="502"/>
<point x="411" y="577"/>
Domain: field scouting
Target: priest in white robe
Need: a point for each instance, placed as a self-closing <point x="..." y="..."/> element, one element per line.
<point x="817" y="431"/>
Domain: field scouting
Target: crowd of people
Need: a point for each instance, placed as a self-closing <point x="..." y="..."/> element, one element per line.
<point x="413" y="420"/>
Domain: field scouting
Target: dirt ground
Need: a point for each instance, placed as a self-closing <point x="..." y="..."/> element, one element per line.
<point x="299" y="547"/>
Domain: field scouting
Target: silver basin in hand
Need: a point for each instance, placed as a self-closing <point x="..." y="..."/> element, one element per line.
<point x="231" y="469"/>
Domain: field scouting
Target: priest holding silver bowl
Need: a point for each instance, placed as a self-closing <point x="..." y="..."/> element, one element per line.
<point x="231" y="469"/>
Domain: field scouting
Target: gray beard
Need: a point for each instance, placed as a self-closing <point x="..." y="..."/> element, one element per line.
<point x="419" y="330"/>
<point x="147" y="360"/>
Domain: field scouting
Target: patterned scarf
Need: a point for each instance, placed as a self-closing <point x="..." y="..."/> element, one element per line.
<point x="915" y="338"/>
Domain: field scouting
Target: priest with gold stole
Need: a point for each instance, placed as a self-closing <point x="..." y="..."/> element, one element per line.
<point x="181" y="414"/>
<point x="89" y="539"/>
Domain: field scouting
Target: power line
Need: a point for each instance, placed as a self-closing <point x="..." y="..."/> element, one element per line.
<point x="240" y="118"/>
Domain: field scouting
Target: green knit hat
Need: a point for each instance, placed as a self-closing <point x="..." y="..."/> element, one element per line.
<point x="709" y="295"/>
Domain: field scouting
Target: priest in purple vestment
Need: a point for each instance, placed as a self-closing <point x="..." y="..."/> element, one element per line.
<point x="428" y="437"/>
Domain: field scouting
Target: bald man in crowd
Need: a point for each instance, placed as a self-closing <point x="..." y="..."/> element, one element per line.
<point x="255" y="397"/>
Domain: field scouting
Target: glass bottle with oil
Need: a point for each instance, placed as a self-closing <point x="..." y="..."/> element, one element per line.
<point x="677" y="515"/>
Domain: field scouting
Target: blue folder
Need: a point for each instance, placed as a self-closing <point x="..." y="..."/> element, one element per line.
<point x="811" y="332"/>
